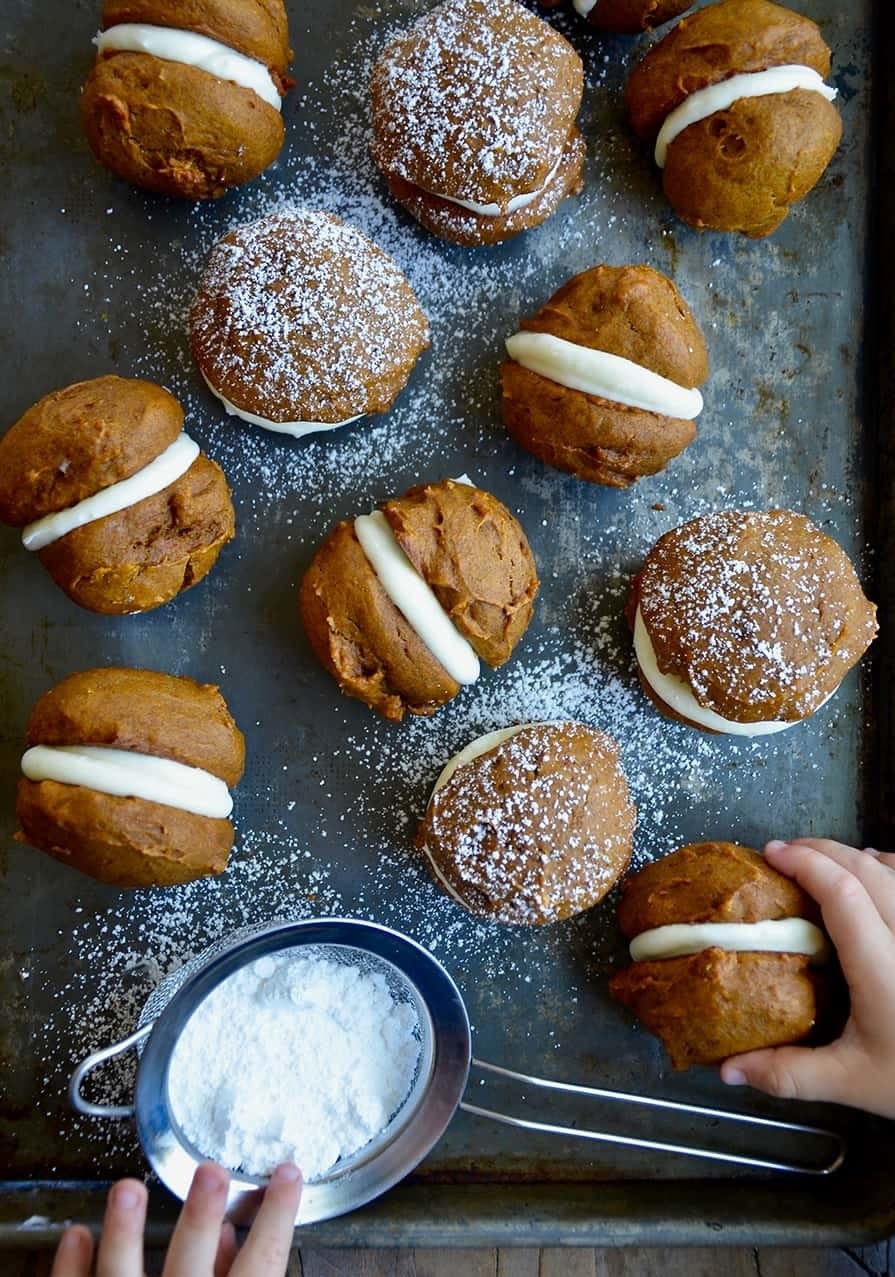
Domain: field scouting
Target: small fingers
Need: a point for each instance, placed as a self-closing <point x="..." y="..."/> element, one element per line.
<point x="870" y="866"/>
<point x="194" y="1243"/>
<point x="864" y="943"/>
<point x="793" y="1073"/>
<point x="121" y="1244"/>
<point x="266" y="1251"/>
<point x="74" y="1254"/>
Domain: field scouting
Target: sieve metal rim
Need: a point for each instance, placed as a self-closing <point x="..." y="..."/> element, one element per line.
<point x="174" y="1161"/>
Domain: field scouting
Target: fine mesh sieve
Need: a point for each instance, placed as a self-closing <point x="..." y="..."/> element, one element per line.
<point x="415" y="977"/>
<point x="412" y="977"/>
<point x="401" y="991"/>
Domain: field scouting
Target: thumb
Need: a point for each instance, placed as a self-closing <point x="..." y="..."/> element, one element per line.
<point x="790" y="1072"/>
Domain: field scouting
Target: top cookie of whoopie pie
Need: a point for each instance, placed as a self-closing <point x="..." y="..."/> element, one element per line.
<point x="602" y="381"/>
<point x="735" y="100"/>
<point x="185" y="95"/>
<point x="626" y="17"/>
<point x="301" y="324"/>
<point x="746" y="622"/>
<point x="474" y="120"/>
<point x="401" y="604"/>
<point x="121" y="506"/>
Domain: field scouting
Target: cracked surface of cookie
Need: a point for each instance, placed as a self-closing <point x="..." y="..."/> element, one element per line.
<point x="473" y="559"/>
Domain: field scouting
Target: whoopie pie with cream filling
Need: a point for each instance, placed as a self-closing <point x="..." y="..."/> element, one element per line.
<point x="120" y="505"/>
<point x="402" y="604"/>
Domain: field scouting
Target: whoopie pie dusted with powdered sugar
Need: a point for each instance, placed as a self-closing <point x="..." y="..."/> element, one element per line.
<point x="727" y="954"/>
<point x="401" y="604"/>
<point x="474" y="120"/>
<point x="185" y="96"/>
<point x="301" y="324"/>
<point x="530" y="824"/>
<point x="602" y="381"/>
<point x="126" y="777"/>
<point x="120" y="505"/>
<point x="746" y="622"/>
<point x="743" y="124"/>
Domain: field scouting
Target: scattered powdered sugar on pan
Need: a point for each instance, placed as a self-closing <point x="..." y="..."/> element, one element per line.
<point x="348" y="851"/>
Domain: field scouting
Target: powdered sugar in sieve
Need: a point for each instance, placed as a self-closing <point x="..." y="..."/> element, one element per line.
<point x="302" y="1055"/>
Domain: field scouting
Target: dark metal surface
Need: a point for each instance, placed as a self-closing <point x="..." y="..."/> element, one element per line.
<point x="95" y="278"/>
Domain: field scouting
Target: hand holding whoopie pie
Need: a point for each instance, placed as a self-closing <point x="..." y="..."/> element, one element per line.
<point x="856" y="894"/>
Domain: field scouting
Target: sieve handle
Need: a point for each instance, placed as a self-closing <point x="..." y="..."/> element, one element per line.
<point x="837" y="1147"/>
<point x="90" y="1063"/>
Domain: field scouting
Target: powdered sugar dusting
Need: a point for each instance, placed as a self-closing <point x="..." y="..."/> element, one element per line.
<point x="301" y="318"/>
<point x="761" y="613"/>
<point x="476" y="101"/>
<point x="537" y="828"/>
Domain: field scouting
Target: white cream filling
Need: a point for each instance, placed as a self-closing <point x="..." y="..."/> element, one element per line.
<point x="192" y="50"/>
<point x="596" y="372"/>
<point x="495" y="210"/>
<point x="583" y="7"/>
<point x="124" y="774"/>
<point x="718" y="97"/>
<point x="786" y="935"/>
<point x="678" y="694"/>
<point x="414" y="599"/>
<point x="166" y="469"/>
<point x="295" y="428"/>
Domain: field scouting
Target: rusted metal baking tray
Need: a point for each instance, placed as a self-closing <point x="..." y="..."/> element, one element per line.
<point x="96" y="278"/>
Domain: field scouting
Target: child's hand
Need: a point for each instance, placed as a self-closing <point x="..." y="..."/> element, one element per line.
<point x="856" y="893"/>
<point x="202" y="1245"/>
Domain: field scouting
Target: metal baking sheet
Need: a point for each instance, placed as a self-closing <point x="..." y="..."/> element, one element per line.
<point x="96" y="278"/>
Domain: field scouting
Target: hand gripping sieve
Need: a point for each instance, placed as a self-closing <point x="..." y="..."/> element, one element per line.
<point x="413" y="976"/>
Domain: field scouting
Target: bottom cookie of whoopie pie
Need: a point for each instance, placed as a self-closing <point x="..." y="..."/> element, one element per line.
<point x="127" y="776"/>
<point x="728" y="954"/>
<point x="530" y="824"/>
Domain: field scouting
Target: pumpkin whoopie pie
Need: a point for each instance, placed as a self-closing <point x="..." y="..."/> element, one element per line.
<point x="530" y="824"/>
<point x="743" y="124"/>
<point x="602" y="381"/>
<point x="185" y="96"/>
<point x="474" y="120"/>
<point x="726" y="952"/>
<point x="121" y="506"/>
<point x="401" y="604"/>
<point x="126" y="777"/>
<point x="746" y="622"/>
<point x="302" y="324"/>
